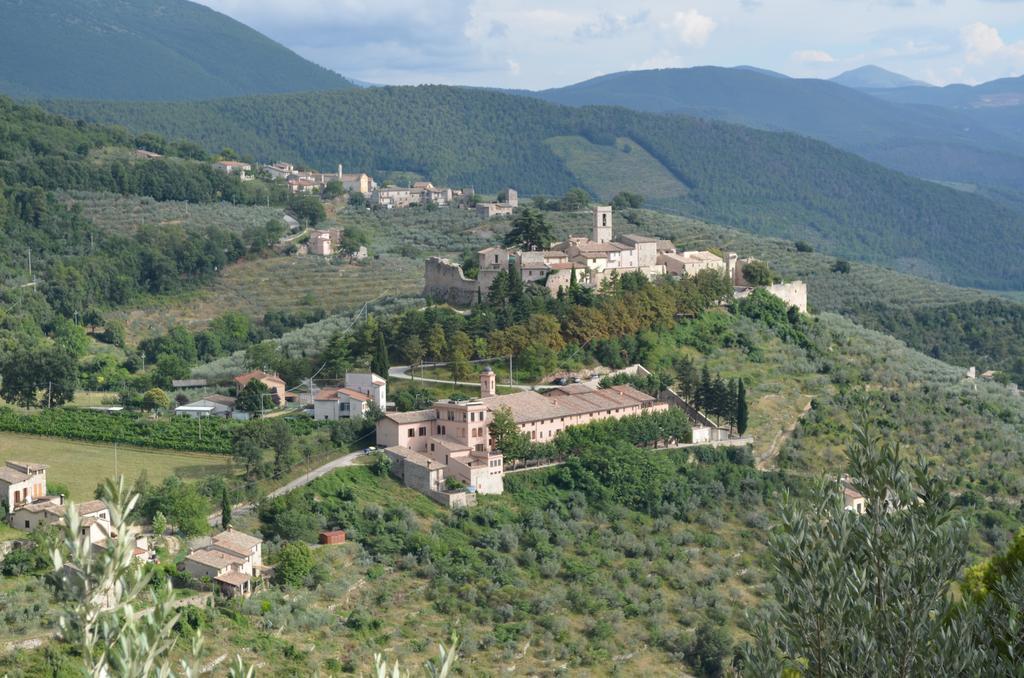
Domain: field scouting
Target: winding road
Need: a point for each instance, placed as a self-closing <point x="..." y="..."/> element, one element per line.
<point x="305" y="479"/>
<point x="402" y="372"/>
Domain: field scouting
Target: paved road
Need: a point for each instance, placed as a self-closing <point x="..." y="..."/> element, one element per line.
<point x="402" y="372"/>
<point x="341" y="462"/>
<point x="306" y="478"/>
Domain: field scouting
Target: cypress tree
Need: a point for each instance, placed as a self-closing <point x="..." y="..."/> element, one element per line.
<point x="741" y="408"/>
<point x="225" y="509"/>
<point x="380" y="364"/>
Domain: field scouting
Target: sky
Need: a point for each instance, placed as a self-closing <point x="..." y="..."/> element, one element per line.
<point x="535" y="44"/>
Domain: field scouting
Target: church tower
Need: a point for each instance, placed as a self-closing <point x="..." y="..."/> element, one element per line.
<point x="602" y="223"/>
<point x="488" y="383"/>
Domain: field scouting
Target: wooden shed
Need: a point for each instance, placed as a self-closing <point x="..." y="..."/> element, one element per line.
<point x="332" y="537"/>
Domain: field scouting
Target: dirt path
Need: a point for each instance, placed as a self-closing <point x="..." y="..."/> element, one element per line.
<point x="767" y="461"/>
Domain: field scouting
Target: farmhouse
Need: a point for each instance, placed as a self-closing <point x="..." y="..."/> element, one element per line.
<point x="232" y="560"/>
<point x="453" y="439"/>
<point x="274" y="383"/>
<point x="21" y="483"/>
<point x="502" y="208"/>
<point x="241" y="169"/>
<point x="361" y="390"/>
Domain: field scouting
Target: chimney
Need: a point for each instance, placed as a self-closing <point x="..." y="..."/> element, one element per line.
<point x="339" y="171"/>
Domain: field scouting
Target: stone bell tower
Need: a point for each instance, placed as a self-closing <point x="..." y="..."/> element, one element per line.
<point x="488" y="383"/>
<point x="602" y="223"/>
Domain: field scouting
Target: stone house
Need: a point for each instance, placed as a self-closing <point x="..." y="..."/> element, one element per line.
<point x="274" y="384"/>
<point x="231" y="559"/>
<point x="499" y="209"/>
<point x="21" y="483"/>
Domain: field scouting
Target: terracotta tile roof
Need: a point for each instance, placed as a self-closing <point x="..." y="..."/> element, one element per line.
<point x="412" y="457"/>
<point x="89" y="507"/>
<point x="639" y="238"/>
<point x="10" y="476"/>
<point x="43" y="506"/>
<point x="527" y="406"/>
<point x="234" y="539"/>
<point x="211" y="558"/>
<point x="26" y="466"/>
<point x="244" y="379"/>
<point x="237" y="579"/>
<point x="334" y="392"/>
<point x="414" y="417"/>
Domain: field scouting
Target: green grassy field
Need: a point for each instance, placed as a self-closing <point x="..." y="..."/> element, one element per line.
<point x="81" y="466"/>
<point x="626" y="166"/>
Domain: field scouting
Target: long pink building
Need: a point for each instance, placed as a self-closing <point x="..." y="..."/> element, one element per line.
<point x="452" y="439"/>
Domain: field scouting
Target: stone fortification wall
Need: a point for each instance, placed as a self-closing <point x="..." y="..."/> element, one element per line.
<point x="793" y="293"/>
<point x="445" y="280"/>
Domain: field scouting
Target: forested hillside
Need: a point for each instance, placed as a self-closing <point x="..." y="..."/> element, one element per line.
<point x="57" y="265"/>
<point x="769" y="183"/>
<point x="143" y="49"/>
<point x="938" y="143"/>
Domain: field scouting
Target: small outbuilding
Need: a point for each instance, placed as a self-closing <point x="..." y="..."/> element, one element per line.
<point x="332" y="537"/>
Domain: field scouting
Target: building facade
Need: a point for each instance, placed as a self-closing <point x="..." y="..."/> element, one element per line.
<point x="452" y="439"/>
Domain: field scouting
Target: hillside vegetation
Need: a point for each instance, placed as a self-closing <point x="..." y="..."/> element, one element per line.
<point x="769" y="183"/>
<point x="931" y="142"/>
<point x="143" y="49"/>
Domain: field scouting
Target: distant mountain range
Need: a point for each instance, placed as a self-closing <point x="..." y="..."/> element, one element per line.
<point x="143" y="49"/>
<point x="957" y="134"/>
<point x="874" y="77"/>
<point x="118" y="53"/>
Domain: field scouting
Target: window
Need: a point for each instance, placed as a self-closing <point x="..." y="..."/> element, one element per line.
<point x="412" y="433"/>
<point x="431" y="447"/>
<point x="26" y="525"/>
<point x="423" y="430"/>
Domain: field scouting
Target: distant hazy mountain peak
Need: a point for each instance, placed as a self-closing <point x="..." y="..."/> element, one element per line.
<point x="875" y="77"/>
<point x="762" y="71"/>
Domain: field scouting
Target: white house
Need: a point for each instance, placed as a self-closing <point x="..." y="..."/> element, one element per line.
<point x="351" y="400"/>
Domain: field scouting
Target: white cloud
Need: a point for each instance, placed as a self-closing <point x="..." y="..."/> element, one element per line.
<point x="610" y="25"/>
<point x="513" y="67"/>
<point x="812" y="56"/>
<point x="691" y="27"/>
<point x="983" y="43"/>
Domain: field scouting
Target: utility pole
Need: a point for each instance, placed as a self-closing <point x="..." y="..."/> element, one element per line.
<point x="115" y="459"/>
<point x="31" y="279"/>
<point x="510" y="370"/>
<point x="49" y="394"/>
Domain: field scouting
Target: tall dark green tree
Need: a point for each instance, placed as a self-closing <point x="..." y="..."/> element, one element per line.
<point x="742" y="414"/>
<point x="225" y="508"/>
<point x="529" y="230"/>
<point x="380" y="363"/>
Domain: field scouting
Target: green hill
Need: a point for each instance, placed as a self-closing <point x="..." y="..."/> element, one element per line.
<point x="941" y="143"/>
<point x="764" y="182"/>
<point x="143" y="49"/>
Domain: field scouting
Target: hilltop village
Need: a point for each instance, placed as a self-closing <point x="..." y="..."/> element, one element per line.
<point x="593" y="261"/>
